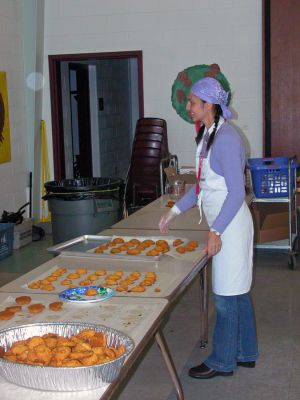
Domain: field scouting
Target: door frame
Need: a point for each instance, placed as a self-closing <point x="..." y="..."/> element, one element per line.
<point x="266" y="63"/>
<point x="56" y="97"/>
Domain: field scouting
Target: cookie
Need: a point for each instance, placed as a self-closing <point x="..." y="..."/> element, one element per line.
<point x="23" y="300"/>
<point x="5" y="315"/>
<point x="56" y="305"/>
<point x="36" y="308"/>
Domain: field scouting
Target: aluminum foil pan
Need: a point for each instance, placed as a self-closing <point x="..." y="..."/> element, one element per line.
<point x="62" y="378"/>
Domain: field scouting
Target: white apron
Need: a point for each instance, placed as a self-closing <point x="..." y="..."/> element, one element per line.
<point x="232" y="266"/>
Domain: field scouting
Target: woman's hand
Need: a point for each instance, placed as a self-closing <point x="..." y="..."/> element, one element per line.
<point x="213" y="245"/>
<point x="166" y="220"/>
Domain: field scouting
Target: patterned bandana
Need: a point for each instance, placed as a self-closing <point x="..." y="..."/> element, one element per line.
<point x="210" y="90"/>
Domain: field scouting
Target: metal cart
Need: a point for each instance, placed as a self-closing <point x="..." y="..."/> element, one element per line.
<point x="291" y="244"/>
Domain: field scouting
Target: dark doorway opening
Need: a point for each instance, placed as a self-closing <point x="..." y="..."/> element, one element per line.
<point x="96" y="100"/>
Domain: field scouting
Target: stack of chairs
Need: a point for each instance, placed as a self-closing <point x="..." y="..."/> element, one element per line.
<point x="150" y="147"/>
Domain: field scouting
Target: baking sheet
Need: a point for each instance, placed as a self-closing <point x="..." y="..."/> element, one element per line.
<point x="85" y="246"/>
<point x="131" y="316"/>
<point x="170" y="274"/>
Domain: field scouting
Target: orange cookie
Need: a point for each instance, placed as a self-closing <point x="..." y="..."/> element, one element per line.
<point x="134" y="241"/>
<point x="115" y="250"/>
<point x="51" y="278"/>
<point x="128" y="244"/>
<point x="180" y="250"/>
<point x="66" y="282"/>
<point x="86" y="282"/>
<point x="192" y="243"/>
<point x="118" y="240"/>
<point x="152" y="253"/>
<point x="136" y="274"/>
<point x="122" y="248"/>
<point x="190" y="248"/>
<point x="5" y="315"/>
<point x="138" y="289"/>
<point x="91" y="292"/>
<point x="13" y="309"/>
<point x="81" y="271"/>
<point x="36" y="308"/>
<point x="148" y="242"/>
<point x="73" y="275"/>
<point x="93" y="277"/>
<point x="34" y="285"/>
<point x="150" y="273"/>
<point x="161" y="242"/>
<point x="122" y="288"/>
<point x="177" y="242"/>
<point x="48" y="287"/>
<point x="111" y="281"/>
<point x="100" y="272"/>
<point x="133" y="252"/>
<point x="23" y="300"/>
<point x="56" y="305"/>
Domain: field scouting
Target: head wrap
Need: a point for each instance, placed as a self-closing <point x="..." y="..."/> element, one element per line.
<point x="181" y="87"/>
<point x="210" y="90"/>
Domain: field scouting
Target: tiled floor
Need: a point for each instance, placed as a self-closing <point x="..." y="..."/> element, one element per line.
<point x="276" y="295"/>
<point x="25" y="259"/>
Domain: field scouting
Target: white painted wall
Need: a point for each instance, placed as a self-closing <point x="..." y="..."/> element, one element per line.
<point x="14" y="174"/>
<point x="173" y="35"/>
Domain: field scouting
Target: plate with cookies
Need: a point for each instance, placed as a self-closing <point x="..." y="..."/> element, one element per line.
<point x="86" y="294"/>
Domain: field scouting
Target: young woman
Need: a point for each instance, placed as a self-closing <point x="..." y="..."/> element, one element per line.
<point x="220" y="192"/>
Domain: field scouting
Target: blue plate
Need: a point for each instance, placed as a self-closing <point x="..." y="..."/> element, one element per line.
<point x="78" y="294"/>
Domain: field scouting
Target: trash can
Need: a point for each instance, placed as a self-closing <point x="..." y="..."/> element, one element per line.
<point x="83" y="206"/>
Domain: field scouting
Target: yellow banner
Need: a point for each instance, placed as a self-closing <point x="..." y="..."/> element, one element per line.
<point x="46" y="215"/>
<point x="5" y="154"/>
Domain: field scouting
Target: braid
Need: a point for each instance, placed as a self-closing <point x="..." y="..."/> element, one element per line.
<point x="200" y="134"/>
<point x="218" y="113"/>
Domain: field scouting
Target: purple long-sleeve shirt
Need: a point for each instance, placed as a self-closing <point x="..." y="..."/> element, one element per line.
<point x="228" y="160"/>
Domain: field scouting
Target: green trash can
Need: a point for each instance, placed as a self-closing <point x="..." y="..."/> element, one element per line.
<point x="83" y="206"/>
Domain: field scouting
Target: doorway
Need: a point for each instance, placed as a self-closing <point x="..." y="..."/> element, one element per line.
<point x="96" y="100"/>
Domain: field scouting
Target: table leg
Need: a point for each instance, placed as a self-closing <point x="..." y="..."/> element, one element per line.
<point x="203" y="307"/>
<point x="161" y="342"/>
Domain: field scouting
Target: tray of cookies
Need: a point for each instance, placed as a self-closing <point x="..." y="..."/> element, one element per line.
<point x="127" y="278"/>
<point x="144" y="248"/>
<point x="84" y="285"/>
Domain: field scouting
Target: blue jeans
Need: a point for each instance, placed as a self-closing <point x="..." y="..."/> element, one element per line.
<point x="234" y="336"/>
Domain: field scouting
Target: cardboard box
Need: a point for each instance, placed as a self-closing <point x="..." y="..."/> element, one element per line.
<point x="271" y="221"/>
<point x="172" y="176"/>
<point x="23" y="233"/>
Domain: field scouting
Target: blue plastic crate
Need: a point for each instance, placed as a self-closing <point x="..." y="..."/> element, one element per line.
<point x="6" y="239"/>
<point x="270" y="176"/>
